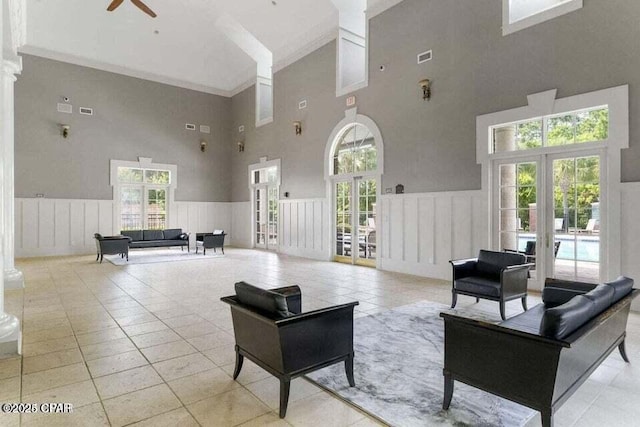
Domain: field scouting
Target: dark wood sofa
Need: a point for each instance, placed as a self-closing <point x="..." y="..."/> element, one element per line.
<point x="541" y="357"/>
<point x="139" y="239"/>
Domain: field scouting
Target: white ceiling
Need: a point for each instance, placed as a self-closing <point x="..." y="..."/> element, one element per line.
<point x="188" y="50"/>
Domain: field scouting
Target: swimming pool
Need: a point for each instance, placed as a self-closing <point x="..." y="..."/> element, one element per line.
<point x="588" y="246"/>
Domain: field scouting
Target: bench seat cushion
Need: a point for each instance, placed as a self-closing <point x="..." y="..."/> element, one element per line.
<point x="158" y="243"/>
<point x="478" y="285"/>
<point x="528" y="322"/>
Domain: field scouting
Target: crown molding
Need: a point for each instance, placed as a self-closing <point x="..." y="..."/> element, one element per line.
<point x="104" y="66"/>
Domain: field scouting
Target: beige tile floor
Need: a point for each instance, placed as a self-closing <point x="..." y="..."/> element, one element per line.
<point x="153" y="345"/>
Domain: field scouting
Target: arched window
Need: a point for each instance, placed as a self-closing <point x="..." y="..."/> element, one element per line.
<point x="355" y="151"/>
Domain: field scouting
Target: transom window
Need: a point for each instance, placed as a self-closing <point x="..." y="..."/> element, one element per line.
<point x="265" y="176"/>
<point x="355" y="151"/>
<point x="550" y="131"/>
<point x="520" y="14"/>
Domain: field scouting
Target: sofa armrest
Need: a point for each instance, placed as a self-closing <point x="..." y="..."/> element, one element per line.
<point x="463" y="267"/>
<point x="514" y="279"/>
<point x="557" y="292"/>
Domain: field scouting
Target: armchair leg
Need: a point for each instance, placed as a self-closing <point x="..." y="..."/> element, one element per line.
<point x="448" y="391"/>
<point x="502" y="310"/>
<point x="348" y="367"/>
<point x="477" y="300"/>
<point x="285" y="384"/>
<point x="524" y="303"/>
<point x="547" y="418"/>
<point x="623" y="351"/>
<point x="454" y="299"/>
<point x="101" y="258"/>
<point x="239" y="360"/>
<point x="98" y="257"/>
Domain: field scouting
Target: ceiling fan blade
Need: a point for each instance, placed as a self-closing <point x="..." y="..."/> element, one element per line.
<point x="143" y="7"/>
<point x="114" y="5"/>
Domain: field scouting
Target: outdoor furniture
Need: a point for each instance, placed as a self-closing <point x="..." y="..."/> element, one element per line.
<point x="271" y="331"/>
<point x="368" y="243"/>
<point x="530" y="251"/>
<point x="210" y="241"/>
<point x="157" y="238"/>
<point x="593" y="227"/>
<point x="111" y="245"/>
<point x="541" y="357"/>
<point x="496" y="276"/>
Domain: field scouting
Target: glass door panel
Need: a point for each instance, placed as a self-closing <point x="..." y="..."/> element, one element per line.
<point x="576" y="209"/>
<point x="273" y="218"/>
<point x="366" y="221"/>
<point x="344" y="218"/>
<point x="131" y="207"/>
<point x="518" y="223"/>
<point x="156" y="211"/>
<point x="261" y="217"/>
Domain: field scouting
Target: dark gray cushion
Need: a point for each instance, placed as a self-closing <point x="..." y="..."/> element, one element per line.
<point x="152" y="235"/>
<point x="621" y="287"/>
<point x="135" y="235"/>
<point x="602" y="297"/>
<point x="267" y="302"/>
<point x="491" y="263"/>
<point x="552" y="296"/>
<point x="478" y="285"/>
<point x="559" y="322"/>
<point x="172" y="233"/>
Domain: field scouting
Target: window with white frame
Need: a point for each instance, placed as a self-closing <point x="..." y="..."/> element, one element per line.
<point x="143" y="193"/>
<point x="520" y="14"/>
<point x="355" y="151"/>
<point x="352" y="52"/>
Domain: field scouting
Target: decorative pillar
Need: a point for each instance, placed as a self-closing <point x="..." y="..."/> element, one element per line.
<point x="10" y="334"/>
<point x="505" y="140"/>
<point x="13" y="279"/>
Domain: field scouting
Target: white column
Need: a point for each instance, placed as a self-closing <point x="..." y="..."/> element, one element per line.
<point x="10" y="334"/>
<point x="13" y="279"/>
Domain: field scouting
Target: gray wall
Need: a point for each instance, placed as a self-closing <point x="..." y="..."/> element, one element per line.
<point x="132" y="118"/>
<point x="430" y="146"/>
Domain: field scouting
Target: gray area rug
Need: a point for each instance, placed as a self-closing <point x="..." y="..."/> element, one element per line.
<point x="151" y="256"/>
<point x="398" y="371"/>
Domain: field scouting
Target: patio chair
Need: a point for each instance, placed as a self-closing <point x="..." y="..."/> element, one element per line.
<point x="530" y="251"/>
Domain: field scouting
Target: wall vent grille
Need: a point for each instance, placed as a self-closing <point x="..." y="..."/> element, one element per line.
<point x="86" y="111"/>
<point x="425" y="56"/>
<point x="205" y="129"/>
<point x="189" y="126"/>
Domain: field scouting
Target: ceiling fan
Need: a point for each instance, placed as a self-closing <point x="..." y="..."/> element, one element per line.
<point x="143" y="7"/>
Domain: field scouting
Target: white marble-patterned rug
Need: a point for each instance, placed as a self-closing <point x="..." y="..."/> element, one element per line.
<point x="398" y="372"/>
<point x="151" y="256"/>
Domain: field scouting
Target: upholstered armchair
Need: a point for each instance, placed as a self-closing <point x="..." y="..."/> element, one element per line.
<point x="496" y="276"/>
<point x="111" y="245"/>
<point x="210" y="241"/>
<point x="271" y="331"/>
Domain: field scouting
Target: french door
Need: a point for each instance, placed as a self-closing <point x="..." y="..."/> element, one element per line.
<point x="266" y="216"/>
<point x="143" y="207"/>
<point x="548" y="207"/>
<point x="355" y="221"/>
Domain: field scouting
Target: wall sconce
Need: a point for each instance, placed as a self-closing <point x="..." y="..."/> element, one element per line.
<point x="64" y="130"/>
<point x="426" y="89"/>
<point x="203" y="145"/>
<point x="298" y="127"/>
<point x="240" y="146"/>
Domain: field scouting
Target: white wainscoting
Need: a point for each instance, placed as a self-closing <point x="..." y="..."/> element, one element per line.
<point x="630" y="234"/>
<point x="421" y="232"/>
<point x="304" y="228"/>
<point x="241" y="224"/>
<point x="48" y="227"/>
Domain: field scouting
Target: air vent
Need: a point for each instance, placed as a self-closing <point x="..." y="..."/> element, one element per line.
<point x="302" y="104"/>
<point x="189" y="126"/>
<point x="425" y="56"/>
<point x="86" y="111"/>
<point x="65" y="108"/>
<point x="205" y="129"/>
